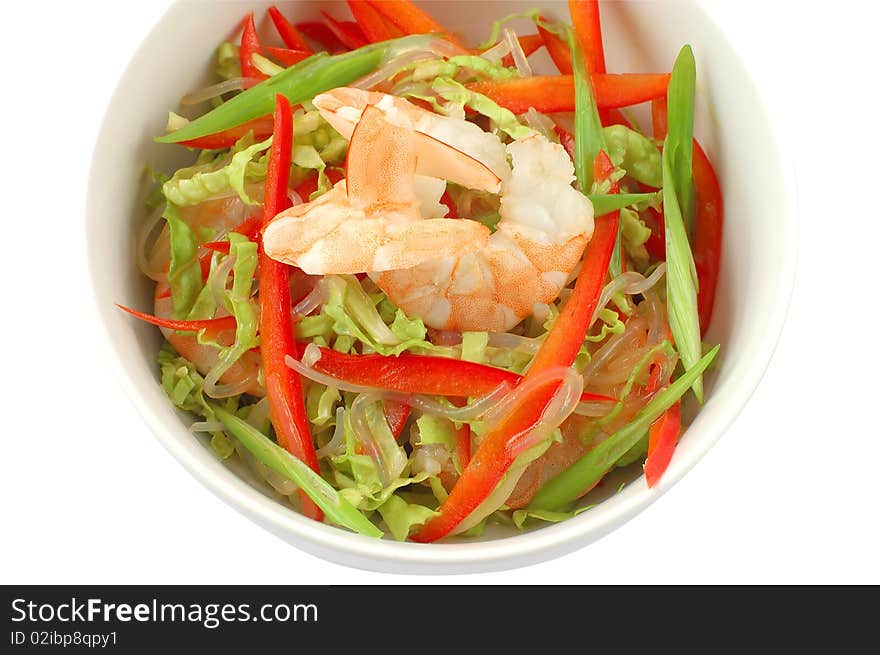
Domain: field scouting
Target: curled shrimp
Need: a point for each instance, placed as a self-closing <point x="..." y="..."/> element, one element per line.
<point x="372" y="220"/>
<point x="465" y="278"/>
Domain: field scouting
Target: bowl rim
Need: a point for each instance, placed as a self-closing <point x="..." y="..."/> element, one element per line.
<point x="388" y="556"/>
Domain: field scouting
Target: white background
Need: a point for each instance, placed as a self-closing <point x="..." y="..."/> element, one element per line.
<point x="790" y="494"/>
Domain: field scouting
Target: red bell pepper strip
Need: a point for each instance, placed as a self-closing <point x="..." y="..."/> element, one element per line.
<point x="588" y="29"/>
<point x="250" y="227"/>
<point x="217" y="246"/>
<point x="211" y="325"/>
<point x="566" y="139"/>
<point x="372" y="25"/>
<point x="396" y="414"/>
<point x="662" y="438"/>
<point x="409" y="19"/>
<point x="556" y="93"/>
<point x="559" y="51"/>
<point x="708" y="230"/>
<point x="322" y="35"/>
<point x="658" y="118"/>
<point x="708" y="222"/>
<point x="288" y="33"/>
<point x="346" y="31"/>
<point x="613" y="116"/>
<point x="286" y="57"/>
<point x="446" y="199"/>
<point x="653" y="379"/>
<point x="463" y="445"/>
<point x="286" y="406"/>
<point x="205" y="265"/>
<point x="502" y="444"/>
<point x="250" y="46"/>
<point x="529" y="43"/>
<point x="656" y="243"/>
<point x="424" y="374"/>
<point x="603" y="168"/>
<point x="261" y="127"/>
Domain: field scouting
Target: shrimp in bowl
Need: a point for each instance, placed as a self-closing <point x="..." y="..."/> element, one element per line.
<point x="471" y="280"/>
<point x="420" y="290"/>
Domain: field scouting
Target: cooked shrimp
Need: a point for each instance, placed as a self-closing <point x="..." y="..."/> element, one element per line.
<point x="371" y="221"/>
<point x="544" y="226"/>
<point x="450" y="273"/>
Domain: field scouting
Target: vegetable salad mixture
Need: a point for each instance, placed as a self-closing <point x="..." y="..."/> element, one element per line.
<point x="419" y="288"/>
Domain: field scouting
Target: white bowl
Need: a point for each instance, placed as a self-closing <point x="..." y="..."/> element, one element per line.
<point x="755" y="285"/>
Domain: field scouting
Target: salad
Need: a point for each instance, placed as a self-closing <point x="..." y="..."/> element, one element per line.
<point x="418" y="287"/>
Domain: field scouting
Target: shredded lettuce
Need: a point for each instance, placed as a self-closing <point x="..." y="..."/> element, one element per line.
<point x="495" y="34"/>
<point x="400" y="516"/>
<point x="318" y="145"/>
<point x="520" y="516"/>
<point x="205" y="305"/>
<point x="392" y="458"/>
<point x="308" y="158"/>
<point x="220" y="176"/>
<point x="312" y="130"/>
<point x="238" y="302"/>
<point x="154" y="180"/>
<point x="357" y="475"/>
<point x="183" y="386"/>
<point x="184" y="272"/>
<point x="611" y="324"/>
<point x="228" y="62"/>
<point x="437" y="488"/>
<point x="450" y="68"/>
<point x="635" y="235"/>
<point x="350" y="312"/>
<point x="321" y="403"/>
<point x="634" y="153"/>
<point x="473" y="346"/>
<point x="364" y="489"/>
<point x="435" y="430"/>
<point x="504" y="119"/>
